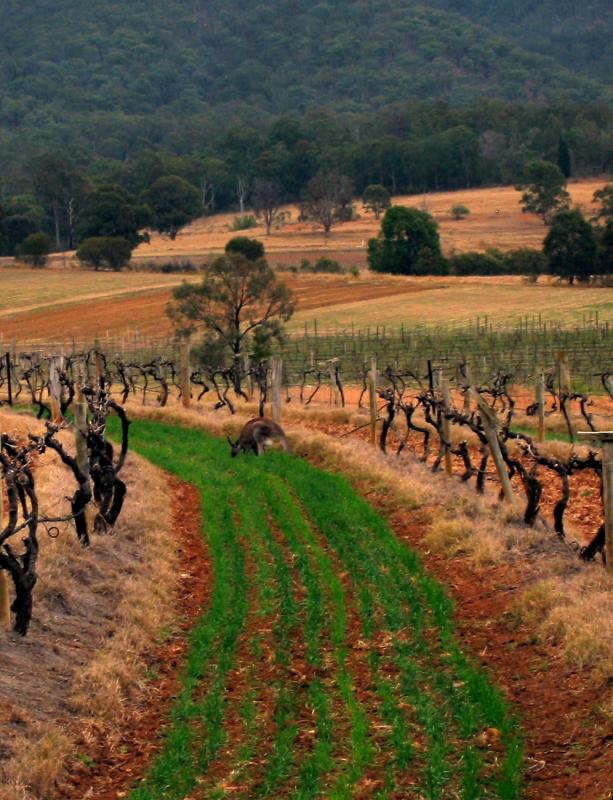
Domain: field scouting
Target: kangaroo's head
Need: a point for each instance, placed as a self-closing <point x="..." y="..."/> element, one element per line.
<point x="235" y="447"/>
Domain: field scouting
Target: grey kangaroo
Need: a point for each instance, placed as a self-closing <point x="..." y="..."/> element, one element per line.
<point x="257" y="434"/>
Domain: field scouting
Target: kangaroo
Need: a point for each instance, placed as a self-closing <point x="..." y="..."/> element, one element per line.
<point x="257" y="434"/>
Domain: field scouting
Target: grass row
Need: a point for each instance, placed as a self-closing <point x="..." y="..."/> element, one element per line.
<point x="300" y="526"/>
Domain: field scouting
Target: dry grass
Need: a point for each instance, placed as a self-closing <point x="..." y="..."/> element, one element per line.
<point x="98" y="613"/>
<point x="28" y="289"/>
<point x="574" y="611"/>
<point x="495" y="220"/>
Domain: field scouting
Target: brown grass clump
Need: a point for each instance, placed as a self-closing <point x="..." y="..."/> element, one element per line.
<point x="37" y="762"/>
<point x="573" y="611"/>
<point x="98" y="614"/>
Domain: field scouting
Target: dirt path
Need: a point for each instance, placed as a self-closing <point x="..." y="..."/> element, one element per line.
<point x="105" y="775"/>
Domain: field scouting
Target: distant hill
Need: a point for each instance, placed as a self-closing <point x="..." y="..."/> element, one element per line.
<point x="61" y="57"/>
<point x="455" y="92"/>
<point x="578" y="35"/>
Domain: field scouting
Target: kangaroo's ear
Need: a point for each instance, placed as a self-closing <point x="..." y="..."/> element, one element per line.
<point x="231" y="443"/>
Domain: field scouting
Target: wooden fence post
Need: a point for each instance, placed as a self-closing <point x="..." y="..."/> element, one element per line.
<point x="468" y="393"/>
<point x="55" y="389"/>
<point x="5" y="604"/>
<point x="446" y="397"/>
<point x="80" y="414"/>
<point x="490" y="425"/>
<point x="540" y="401"/>
<point x="606" y="437"/>
<point x="372" y="391"/>
<point x="276" y="379"/>
<point x="564" y="381"/>
<point x="9" y="379"/>
<point x="186" y="385"/>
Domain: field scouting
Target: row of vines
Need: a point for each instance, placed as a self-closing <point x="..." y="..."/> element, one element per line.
<point x="96" y="501"/>
<point x="443" y="410"/>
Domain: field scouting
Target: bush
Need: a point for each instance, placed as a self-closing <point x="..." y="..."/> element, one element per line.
<point x="460" y="211"/>
<point x="108" y="251"/>
<point x="323" y="264"/>
<point x="178" y="266"/>
<point x="527" y="262"/>
<point x="492" y="262"/>
<point x="354" y="271"/>
<point x="35" y="248"/>
<point x="244" y="223"/>
<point x="252" y="249"/>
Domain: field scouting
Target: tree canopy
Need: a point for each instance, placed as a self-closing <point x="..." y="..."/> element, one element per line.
<point x="570" y="246"/>
<point x="407" y="235"/>
<point x="237" y="301"/>
<point x="543" y="188"/>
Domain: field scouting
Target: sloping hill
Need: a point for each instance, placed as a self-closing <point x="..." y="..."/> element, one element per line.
<point x="577" y="35"/>
<point x="190" y="57"/>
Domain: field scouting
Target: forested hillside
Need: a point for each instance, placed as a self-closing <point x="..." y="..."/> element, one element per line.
<point x="578" y="35"/>
<point x="101" y="75"/>
<point x="438" y="95"/>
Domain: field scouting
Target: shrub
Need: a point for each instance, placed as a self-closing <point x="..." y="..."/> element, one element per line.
<point x="323" y="264"/>
<point x="354" y="271"/>
<point x="252" y="249"/>
<point x="492" y="262"/>
<point x="35" y="248"/>
<point x="109" y="251"/>
<point x="527" y="262"/>
<point x="460" y="211"/>
<point x="178" y="266"/>
<point x="243" y="223"/>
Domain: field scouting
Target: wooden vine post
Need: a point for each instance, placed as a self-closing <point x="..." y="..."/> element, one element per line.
<point x="564" y="381"/>
<point x="55" y="389"/>
<point x="490" y="426"/>
<point x="5" y="603"/>
<point x="606" y="437"/>
<point x="468" y="383"/>
<point x="372" y="392"/>
<point x="80" y="415"/>
<point x="186" y="386"/>
<point x="276" y="379"/>
<point x="540" y="402"/>
<point x="446" y="397"/>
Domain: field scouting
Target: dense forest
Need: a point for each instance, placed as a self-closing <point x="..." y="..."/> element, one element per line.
<point x="438" y="95"/>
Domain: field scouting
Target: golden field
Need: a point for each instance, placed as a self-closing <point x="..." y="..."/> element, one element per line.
<point x="495" y="220"/>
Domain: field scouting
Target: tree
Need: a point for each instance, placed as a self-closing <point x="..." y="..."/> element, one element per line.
<point x="267" y="197"/>
<point x="570" y="246"/>
<point x="60" y="189"/>
<point x="325" y="195"/>
<point x="109" y="251"/>
<point x="174" y="202"/>
<point x="405" y="233"/>
<point x="376" y="198"/>
<point x="14" y="229"/>
<point x="252" y="249"/>
<point x="35" y="249"/>
<point x="112" y="211"/>
<point x="604" y="197"/>
<point x="543" y="189"/>
<point x="240" y="303"/>
<point x="604" y="262"/>
<point x="564" y="158"/>
<point x="460" y="211"/>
